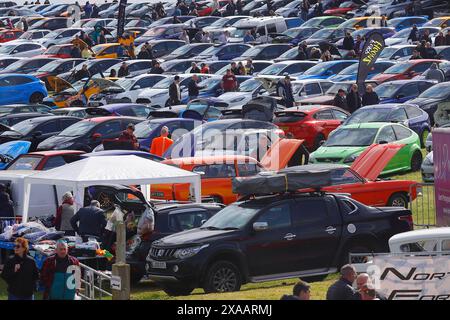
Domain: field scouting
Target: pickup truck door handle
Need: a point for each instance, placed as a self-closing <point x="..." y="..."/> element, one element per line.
<point x="330" y="229"/>
<point x="289" y="236"/>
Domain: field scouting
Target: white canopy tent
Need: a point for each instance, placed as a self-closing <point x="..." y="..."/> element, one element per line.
<point x="107" y="170"/>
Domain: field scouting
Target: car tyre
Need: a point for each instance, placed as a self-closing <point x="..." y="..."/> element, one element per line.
<point x="416" y="161"/>
<point x="398" y="200"/>
<point x="36" y="97"/>
<point x="177" y="290"/>
<point x="222" y="276"/>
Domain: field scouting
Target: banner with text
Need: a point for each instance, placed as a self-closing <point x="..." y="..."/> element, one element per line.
<point x="121" y="18"/>
<point x="371" y="51"/>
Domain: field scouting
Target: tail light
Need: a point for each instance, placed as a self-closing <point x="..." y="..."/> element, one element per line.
<point x="408" y="219"/>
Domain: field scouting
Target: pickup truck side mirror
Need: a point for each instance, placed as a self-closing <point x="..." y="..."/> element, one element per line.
<point x="96" y="136"/>
<point x="260" y="226"/>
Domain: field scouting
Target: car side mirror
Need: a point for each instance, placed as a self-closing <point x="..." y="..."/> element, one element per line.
<point x="96" y="136"/>
<point x="322" y="142"/>
<point x="382" y="142"/>
<point x="400" y="96"/>
<point x="260" y="226"/>
<point x="203" y="221"/>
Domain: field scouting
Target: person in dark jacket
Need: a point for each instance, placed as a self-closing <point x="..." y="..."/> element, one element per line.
<point x="301" y="291"/>
<point x="89" y="221"/>
<point x="156" y="69"/>
<point x="194" y="68"/>
<point x="193" y="87"/>
<point x="284" y="90"/>
<point x="342" y="289"/>
<point x="439" y="40"/>
<point x="348" y="42"/>
<point x="430" y="52"/>
<point x="425" y="36"/>
<point x="302" y="52"/>
<point x="20" y="273"/>
<point x="6" y="205"/>
<point x="414" y="34"/>
<point x="175" y="92"/>
<point x="143" y="53"/>
<point x="95" y="11"/>
<point x="353" y="99"/>
<point x="340" y="100"/>
<point x="370" y="97"/>
<point x="123" y="70"/>
<point x="415" y="55"/>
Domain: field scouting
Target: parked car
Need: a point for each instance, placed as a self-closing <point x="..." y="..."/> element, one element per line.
<point x="37" y="129"/>
<point x="57" y="67"/>
<point x="94" y="67"/>
<point x="15" y="109"/>
<point x="26" y="66"/>
<point x="223" y="52"/>
<point x="11" y="150"/>
<point x="295" y="35"/>
<point x="396" y="52"/>
<point x="351" y="72"/>
<point x="405" y="70"/>
<point x="265" y="52"/>
<point x="59" y="36"/>
<point x="44" y="160"/>
<point x="21" y="49"/>
<point x="290" y="67"/>
<point x="9" y="120"/>
<point x="188" y="51"/>
<point x="87" y="134"/>
<point x="311" y="123"/>
<point x="400" y="23"/>
<point x="78" y="112"/>
<point x="51" y="23"/>
<point x="258" y="246"/>
<point x="401" y="37"/>
<point x="21" y="88"/>
<point x="347" y="142"/>
<point x="9" y="35"/>
<point x="324" y="22"/>
<point x="4" y="62"/>
<point x="400" y="91"/>
<point x="119" y="109"/>
<point x="31" y="35"/>
<point x="407" y="114"/>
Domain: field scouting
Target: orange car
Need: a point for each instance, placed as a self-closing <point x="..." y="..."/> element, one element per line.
<point x="218" y="171"/>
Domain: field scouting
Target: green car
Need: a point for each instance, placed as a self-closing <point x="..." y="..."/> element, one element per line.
<point x="346" y="143"/>
<point x="324" y="22"/>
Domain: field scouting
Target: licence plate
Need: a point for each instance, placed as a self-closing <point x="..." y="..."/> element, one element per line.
<point x="157" y="194"/>
<point x="159" y="265"/>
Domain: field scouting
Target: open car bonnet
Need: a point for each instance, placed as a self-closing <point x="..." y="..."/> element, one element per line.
<point x="269" y="82"/>
<point x="280" y="154"/>
<point x="57" y="84"/>
<point x="103" y="84"/>
<point x="260" y="108"/>
<point x="374" y="159"/>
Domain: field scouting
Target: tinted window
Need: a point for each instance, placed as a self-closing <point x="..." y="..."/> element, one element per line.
<point x="19" y="80"/>
<point x="54" y="162"/>
<point x="307" y="211"/>
<point x="277" y="217"/>
<point x="343" y="176"/>
<point x="112" y="127"/>
<point x="386" y="134"/>
<point x="340" y="115"/>
<point x="247" y="169"/>
<point x="401" y="132"/>
<point x="413" y="112"/>
<point x="398" y="115"/>
<point x="421" y="67"/>
<point x="312" y="88"/>
<point x="187" y="220"/>
<point x="409" y="90"/>
<point x="41" y="109"/>
<point x="48" y="127"/>
<point x="324" y="115"/>
<point x="271" y="28"/>
<point x="217" y="171"/>
<point x="424" y="86"/>
<point x="141" y="111"/>
<point x="26" y="109"/>
<point x="25" y="163"/>
<point x="67" y="123"/>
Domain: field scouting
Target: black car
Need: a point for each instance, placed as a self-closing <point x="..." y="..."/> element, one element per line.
<point x="164" y="47"/>
<point x="51" y="24"/>
<point x="24" y="108"/>
<point x="9" y="120"/>
<point x="38" y="129"/>
<point x="188" y="51"/>
<point x="272" y="237"/>
<point x="4" y="62"/>
<point x="95" y="67"/>
<point x="265" y="52"/>
<point x="27" y="66"/>
<point x="87" y="134"/>
<point x="429" y="99"/>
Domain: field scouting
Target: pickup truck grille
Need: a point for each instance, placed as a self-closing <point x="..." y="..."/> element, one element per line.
<point x="161" y="254"/>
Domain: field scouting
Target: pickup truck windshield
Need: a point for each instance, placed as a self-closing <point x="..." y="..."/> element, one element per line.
<point x="235" y="216"/>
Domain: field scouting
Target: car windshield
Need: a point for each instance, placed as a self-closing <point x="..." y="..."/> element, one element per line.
<point x="197" y="106"/>
<point x="273" y="70"/>
<point x="5" y="49"/>
<point x="290" y="54"/>
<point x="252" y="52"/>
<point x="434" y="22"/>
<point x="335" y="88"/>
<point x="209" y="83"/>
<point x="351" y="137"/>
<point x="145" y="128"/>
<point x="219" y="22"/>
<point x="50" y="66"/>
<point x="350" y="70"/>
<point x="249" y="85"/>
<point x="369" y="115"/>
<point x="292" y="32"/>
<point x="211" y="50"/>
<point x="239" y="32"/>
<point x="24" y="127"/>
<point x="386" y="90"/>
<point x="435" y="92"/>
<point x="235" y="216"/>
<point x="26" y="35"/>
<point x="126" y="83"/>
<point x="26" y="163"/>
<point x="163" y="84"/>
<point x="78" y="129"/>
<point x="317" y="69"/>
<point x="52" y="34"/>
<point x="97" y="49"/>
<point x="314" y="22"/>
<point x="322" y="34"/>
<point x="155" y="31"/>
<point x="182" y="50"/>
<point x="6" y="110"/>
<point x="387" y="53"/>
<point x="398" y="68"/>
<point x="402" y="34"/>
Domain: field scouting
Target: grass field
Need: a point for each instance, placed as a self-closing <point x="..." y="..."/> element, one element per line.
<point x="273" y="290"/>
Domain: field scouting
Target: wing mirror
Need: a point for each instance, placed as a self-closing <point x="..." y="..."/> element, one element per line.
<point x="96" y="136"/>
<point x="400" y="96"/>
<point x="260" y="226"/>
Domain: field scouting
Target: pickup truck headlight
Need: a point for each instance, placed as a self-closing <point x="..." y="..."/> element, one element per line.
<point x="188" y="252"/>
<point x="350" y="158"/>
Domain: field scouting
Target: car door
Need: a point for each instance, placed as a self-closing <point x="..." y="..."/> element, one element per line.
<point x="317" y="230"/>
<point x="216" y="181"/>
<point x="387" y="135"/>
<point x="403" y="136"/>
<point x="10" y="90"/>
<point x="272" y="251"/>
<point x="407" y="92"/>
<point x="325" y="119"/>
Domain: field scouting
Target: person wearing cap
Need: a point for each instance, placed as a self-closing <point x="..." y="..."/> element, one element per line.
<point x="89" y="221"/>
<point x="162" y="143"/>
<point x="340" y="100"/>
<point x="6" y="205"/>
<point x="128" y="136"/>
<point x="175" y="91"/>
<point x="64" y="213"/>
<point x="284" y="90"/>
<point x="301" y="291"/>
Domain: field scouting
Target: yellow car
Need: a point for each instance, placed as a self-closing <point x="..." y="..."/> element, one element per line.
<point x="107" y="50"/>
<point x="441" y="22"/>
<point x="361" y="22"/>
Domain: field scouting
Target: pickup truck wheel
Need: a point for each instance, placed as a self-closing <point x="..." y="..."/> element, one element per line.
<point x="416" y="161"/>
<point x="177" y="290"/>
<point x="222" y="276"/>
<point x="398" y="200"/>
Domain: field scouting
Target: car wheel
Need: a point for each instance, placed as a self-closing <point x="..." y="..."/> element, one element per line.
<point x="36" y="97"/>
<point x="416" y="161"/>
<point x="398" y="200"/>
<point x="222" y="276"/>
<point x="423" y="137"/>
<point x="354" y="248"/>
<point x="177" y="290"/>
<point x="319" y="138"/>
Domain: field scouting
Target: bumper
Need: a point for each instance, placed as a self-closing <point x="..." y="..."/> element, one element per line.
<point x="177" y="271"/>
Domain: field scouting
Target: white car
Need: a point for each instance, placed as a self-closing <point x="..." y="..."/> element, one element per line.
<point x="158" y="96"/>
<point x="248" y="90"/>
<point x="401" y="37"/>
<point x="22" y="49"/>
<point x="60" y="36"/>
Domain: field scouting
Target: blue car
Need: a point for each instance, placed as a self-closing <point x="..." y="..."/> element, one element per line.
<point x="223" y="52"/>
<point x="326" y="70"/>
<point x="212" y="87"/>
<point x="350" y="73"/>
<point x="408" y="114"/>
<point x="11" y="150"/>
<point x="21" y="88"/>
<point x="149" y="129"/>
<point x="400" y="91"/>
<point x="401" y="23"/>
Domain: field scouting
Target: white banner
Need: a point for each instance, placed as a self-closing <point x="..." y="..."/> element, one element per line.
<point x="411" y="278"/>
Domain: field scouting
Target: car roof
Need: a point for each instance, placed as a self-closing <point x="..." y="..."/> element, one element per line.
<point x="400" y="82"/>
<point x="24" y="115"/>
<point x="51" y="153"/>
<point x="49" y="117"/>
<point x="367" y="125"/>
<point x="416" y="235"/>
<point x="106" y="118"/>
<point x="221" y="159"/>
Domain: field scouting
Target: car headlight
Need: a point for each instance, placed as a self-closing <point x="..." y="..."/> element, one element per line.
<point x="350" y="158"/>
<point x="188" y="252"/>
<point x="237" y="99"/>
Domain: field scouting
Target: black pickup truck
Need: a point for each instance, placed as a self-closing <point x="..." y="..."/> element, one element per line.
<point x="272" y="237"/>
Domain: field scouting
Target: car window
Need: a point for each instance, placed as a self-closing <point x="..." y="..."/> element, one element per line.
<point x="401" y="132"/>
<point x="324" y="115"/>
<point x="41" y="109"/>
<point x="146" y="82"/>
<point x="48" y="127"/>
<point x="398" y="115"/>
<point x="445" y="245"/>
<point x="347" y="207"/>
<point x="54" y="162"/>
<point x="112" y="127"/>
<point x="276" y="217"/>
<point x="413" y="112"/>
<point x="409" y="90"/>
<point x="18" y="80"/>
<point x="271" y="28"/>
<point x="213" y="113"/>
<point x="420" y="246"/>
<point x="26" y="109"/>
<point x="386" y="134"/>
<point x="343" y="176"/>
<point x="26" y="163"/>
<point x="424" y="86"/>
<point x="141" y="111"/>
<point x="261" y="31"/>
<point x="247" y="169"/>
<point x="216" y="171"/>
<point x="340" y="115"/>
<point x="312" y="88"/>
<point x="421" y="67"/>
<point x="187" y="220"/>
<point x="65" y="123"/>
<point x="110" y="50"/>
<point x="308" y="211"/>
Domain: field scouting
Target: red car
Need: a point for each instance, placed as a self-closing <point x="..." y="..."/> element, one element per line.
<point x="44" y="160"/>
<point x="206" y="9"/>
<point x="312" y="123"/>
<point x="58" y="51"/>
<point x="405" y="70"/>
<point x="9" y="35"/>
<point x="342" y="9"/>
<point x="361" y="180"/>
